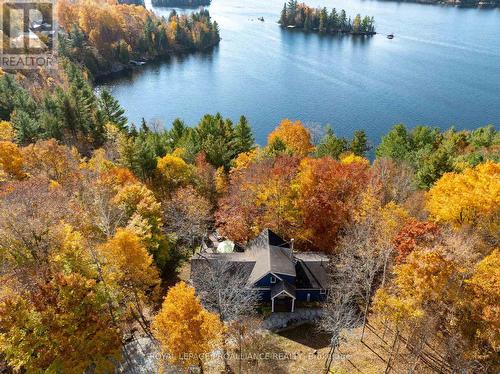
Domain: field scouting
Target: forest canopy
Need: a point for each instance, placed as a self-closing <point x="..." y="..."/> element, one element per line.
<point x="104" y="35"/>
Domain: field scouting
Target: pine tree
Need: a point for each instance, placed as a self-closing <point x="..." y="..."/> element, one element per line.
<point x="112" y="111"/>
<point x="177" y="132"/>
<point x="334" y="20"/>
<point x="359" y="143"/>
<point x="323" y="20"/>
<point x="284" y="17"/>
<point x="244" y="139"/>
<point x="331" y="145"/>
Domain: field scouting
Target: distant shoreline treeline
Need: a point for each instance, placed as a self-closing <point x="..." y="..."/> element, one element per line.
<point x="458" y="3"/>
<point x="187" y="3"/>
<point x="301" y="16"/>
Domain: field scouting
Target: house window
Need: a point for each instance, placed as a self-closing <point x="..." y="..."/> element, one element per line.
<point x="273" y="280"/>
<point x="322" y="292"/>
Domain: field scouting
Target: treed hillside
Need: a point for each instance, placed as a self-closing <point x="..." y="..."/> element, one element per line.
<point x="97" y="214"/>
<point x="105" y="36"/>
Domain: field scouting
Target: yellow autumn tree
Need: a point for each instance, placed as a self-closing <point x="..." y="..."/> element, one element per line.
<point x="185" y="330"/>
<point x="51" y="160"/>
<point x="128" y="262"/>
<point x="173" y="172"/>
<point x="7" y="132"/>
<point x="128" y="269"/>
<point x="244" y="159"/>
<point x="350" y="157"/>
<point x="11" y="161"/>
<point x="471" y="197"/>
<point x="294" y="135"/>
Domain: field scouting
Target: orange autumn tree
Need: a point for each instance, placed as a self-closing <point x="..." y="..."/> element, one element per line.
<point x="413" y="234"/>
<point x="294" y="135"/>
<point x="326" y="193"/>
<point x="185" y="330"/>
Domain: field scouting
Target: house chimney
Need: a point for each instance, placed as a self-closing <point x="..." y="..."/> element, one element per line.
<point x="291" y="244"/>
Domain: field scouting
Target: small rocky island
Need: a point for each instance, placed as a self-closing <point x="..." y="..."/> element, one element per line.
<point x="181" y="3"/>
<point x="300" y="16"/>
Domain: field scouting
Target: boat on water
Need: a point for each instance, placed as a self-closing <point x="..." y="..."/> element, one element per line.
<point x="390" y="36"/>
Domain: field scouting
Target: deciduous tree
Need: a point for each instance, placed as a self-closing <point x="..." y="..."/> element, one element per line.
<point x="185" y="330"/>
<point x="295" y="137"/>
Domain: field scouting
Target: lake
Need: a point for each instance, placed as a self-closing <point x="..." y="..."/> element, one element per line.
<point x="442" y="68"/>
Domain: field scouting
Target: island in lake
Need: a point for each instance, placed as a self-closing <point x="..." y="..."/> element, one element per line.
<point x="301" y="16"/>
<point x="181" y="3"/>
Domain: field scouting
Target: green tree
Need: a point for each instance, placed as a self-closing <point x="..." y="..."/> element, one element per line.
<point x="323" y="20"/>
<point x="244" y="140"/>
<point x="112" y="111"/>
<point x="284" y="16"/>
<point x="331" y="145"/>
<point x="396" y="144"/>
<point x="359" y="144"/>
<point x="177" y="132"/>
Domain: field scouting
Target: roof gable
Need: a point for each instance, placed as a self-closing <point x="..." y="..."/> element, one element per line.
<point x="272" y="255"/>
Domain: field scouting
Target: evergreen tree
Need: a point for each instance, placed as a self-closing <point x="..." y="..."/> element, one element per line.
<point x="359" y="143"/>
<point x="323" y="20"/>
<point x="395" y="144"/>
<point x="334" y="20"/>
<point x="243" y="136"/>
<point x="331" y="145"/>
<point x="284" y="16"/>
<point x="177" y="132"/>
<point x="343" y="21"/>
<point x="144" y="126"/>
<point x="112" y="111"/>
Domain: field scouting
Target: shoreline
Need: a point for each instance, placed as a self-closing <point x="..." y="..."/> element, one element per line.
<point x="122" y="68"/>
<point x="451" y="3"/>
<point x="333" y="33"/>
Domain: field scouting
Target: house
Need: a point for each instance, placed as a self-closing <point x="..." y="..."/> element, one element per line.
<point x="283" y="277"/>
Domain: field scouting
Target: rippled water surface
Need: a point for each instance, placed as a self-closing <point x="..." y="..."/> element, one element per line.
<point x="442" y="68"/>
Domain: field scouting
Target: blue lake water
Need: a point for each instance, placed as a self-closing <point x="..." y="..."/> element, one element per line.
<point x="442" y="68"/>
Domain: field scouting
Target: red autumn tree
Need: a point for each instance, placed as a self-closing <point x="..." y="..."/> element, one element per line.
<point x="414" y="233"/>
<point x="326" y="193"/>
